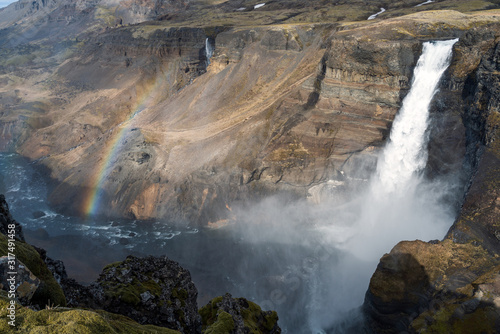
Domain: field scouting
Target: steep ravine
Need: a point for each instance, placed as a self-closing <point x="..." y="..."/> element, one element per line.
<point x="310" y="110"/>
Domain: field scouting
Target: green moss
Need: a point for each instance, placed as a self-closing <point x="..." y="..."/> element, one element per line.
<point x="63" y="320"/>
<point x="49" y="292"/>
<point x="154" y="288"/>
<point x="180" y="316"/>
<point x="111" y="265"/>
<point x="255" y="320"/>
<point x="180" y="294"/>
<point x="128" y="293"/>
<point x="482" y="320"/>
<point x="208" y="312"/>
<point x="223" y="325"/>
<point x="270" y="320"/>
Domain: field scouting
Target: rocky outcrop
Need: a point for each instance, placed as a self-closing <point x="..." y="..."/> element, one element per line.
<point x="48" y="292"/>
<point x="152" y="290"/>
<point x="226" y="314"/>
<point x="34" y="281"/>
<point x="424" y="286"/>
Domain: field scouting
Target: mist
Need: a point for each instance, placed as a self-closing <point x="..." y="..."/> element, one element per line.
<point x="313" y="258"/>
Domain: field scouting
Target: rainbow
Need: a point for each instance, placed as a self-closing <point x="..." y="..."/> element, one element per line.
<point x="92" y="198"/>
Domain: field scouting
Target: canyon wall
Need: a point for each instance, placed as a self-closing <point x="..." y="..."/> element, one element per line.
<point x="141" y="117"/>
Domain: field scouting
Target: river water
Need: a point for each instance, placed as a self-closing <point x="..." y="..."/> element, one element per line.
<point x="271" y="271"/>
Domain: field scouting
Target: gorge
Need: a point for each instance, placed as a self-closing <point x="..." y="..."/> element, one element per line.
<point x="251" y="146"/>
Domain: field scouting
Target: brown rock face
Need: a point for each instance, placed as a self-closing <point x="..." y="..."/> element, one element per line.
<point x="287" y="123"/>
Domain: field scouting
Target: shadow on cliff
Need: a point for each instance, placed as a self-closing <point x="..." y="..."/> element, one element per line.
<point x="402" y="299"/>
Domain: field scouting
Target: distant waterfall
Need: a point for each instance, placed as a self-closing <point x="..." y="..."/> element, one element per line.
<point x="406" y="151"/>
<point x="374" y="16"/>
<point x="209" y="49"/>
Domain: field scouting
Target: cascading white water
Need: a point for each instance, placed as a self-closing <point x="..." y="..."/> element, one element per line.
<point x="425" y="3"/>
<point x="209" y="50"/>
<point x="396" y="205"/>
<point x="374" y="16"/>
<point x="406" y="151"/>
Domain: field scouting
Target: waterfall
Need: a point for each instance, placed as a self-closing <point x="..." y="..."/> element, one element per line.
<point x="406" y="152"/>
<point x="209" y="50"/>
<point x="425" y="3"/>
<point x="396" y="205"/>
<point x="374" y="16"/>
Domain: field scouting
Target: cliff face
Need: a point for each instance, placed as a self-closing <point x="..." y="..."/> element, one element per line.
<point x="291" y="123"/>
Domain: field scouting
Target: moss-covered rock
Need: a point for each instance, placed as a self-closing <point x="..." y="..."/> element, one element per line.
<point x="65" y="320"/>
<point x="49" y="291"/>
<point x="237" y="315"/>
<point x="152" y="290"/>
<point x="223" y="324"/>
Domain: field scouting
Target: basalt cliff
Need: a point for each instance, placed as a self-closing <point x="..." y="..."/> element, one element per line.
<point x="180" y="110"/>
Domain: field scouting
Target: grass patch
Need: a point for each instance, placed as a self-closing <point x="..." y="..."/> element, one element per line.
<point x="65" y="320"/>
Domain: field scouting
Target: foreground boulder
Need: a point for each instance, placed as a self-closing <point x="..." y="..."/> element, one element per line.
<point x="435" y="287"/>
<point x="151" y="290"/>
<point x="237" y="315"/>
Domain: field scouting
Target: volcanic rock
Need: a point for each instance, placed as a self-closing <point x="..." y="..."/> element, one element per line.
<point x="151" y="290"/>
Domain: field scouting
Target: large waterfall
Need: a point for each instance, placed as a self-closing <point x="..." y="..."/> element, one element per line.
<point x="397" y="204"/>
<point x="406" y="151"/>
